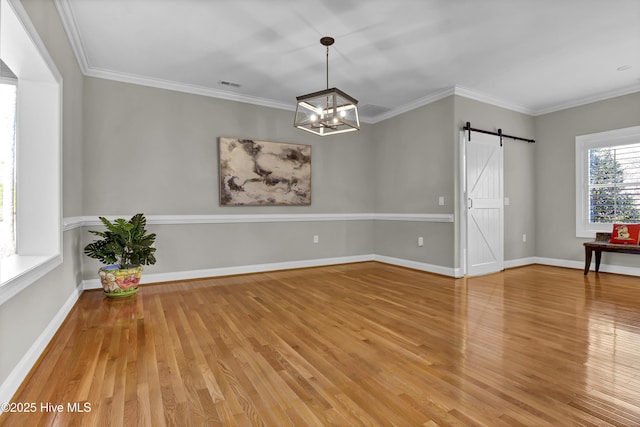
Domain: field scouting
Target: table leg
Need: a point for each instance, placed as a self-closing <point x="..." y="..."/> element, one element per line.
<point x="587" y="258"/>
<point x="598" y="256"/>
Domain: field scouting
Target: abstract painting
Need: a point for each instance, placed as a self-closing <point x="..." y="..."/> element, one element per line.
<point x="261" y="173"/>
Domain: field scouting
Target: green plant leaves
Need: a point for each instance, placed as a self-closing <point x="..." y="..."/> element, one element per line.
<point x="125" y="243"/>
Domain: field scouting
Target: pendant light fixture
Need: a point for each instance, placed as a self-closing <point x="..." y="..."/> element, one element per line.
<point x="328" y="111"/>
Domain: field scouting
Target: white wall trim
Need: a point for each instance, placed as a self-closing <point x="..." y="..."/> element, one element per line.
<point x="556" y="262"/>
<point x="579" y="265"/>
<point x="71" y="223"/>
<point x="239" y="269"/>
<point x="82" y="221"/>
<point x="587" y="100"/>
<point x="25" y="270"/>
<point x="616" y="269"/>
<point x="520" y="262"/>
<point x="417" y="265"/>
<point x="487" y="99"/>
<point x="420" y="102"/>
<point x="71" y="29"/>
<point x="288" y="265"/>
<point x="186" y="88"/>
<point x="573" y="264"/>
<point x="21" y="370"/>
<point x="413" y="217"/>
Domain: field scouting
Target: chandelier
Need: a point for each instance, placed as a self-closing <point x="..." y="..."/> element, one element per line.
<point x="329" y="111"/>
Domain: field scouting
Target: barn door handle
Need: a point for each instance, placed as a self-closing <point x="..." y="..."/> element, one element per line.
<point x="470" y="202"/>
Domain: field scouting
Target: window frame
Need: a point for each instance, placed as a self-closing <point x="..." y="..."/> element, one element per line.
<point x="39" y="152"/>
<point x="584" y="143"/>
<point x="5" y="81"/>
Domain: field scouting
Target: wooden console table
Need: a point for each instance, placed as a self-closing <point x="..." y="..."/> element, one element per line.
<point x="602" y="244"/>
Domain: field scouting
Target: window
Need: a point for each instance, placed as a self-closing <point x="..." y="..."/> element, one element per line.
<point x="38" y="136"/>
<point x="7" y="161"/>
<point x="607" y="180"/>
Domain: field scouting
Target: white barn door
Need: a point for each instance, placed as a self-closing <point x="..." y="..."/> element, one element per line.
<point x="485" y="204"/>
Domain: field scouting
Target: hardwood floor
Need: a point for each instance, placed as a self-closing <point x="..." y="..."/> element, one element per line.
<point x="364" y="344"/>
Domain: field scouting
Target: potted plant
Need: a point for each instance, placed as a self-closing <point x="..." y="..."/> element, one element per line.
<point x="125" y="247"/>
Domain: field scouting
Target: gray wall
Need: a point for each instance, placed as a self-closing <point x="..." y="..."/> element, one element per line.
<point x="555" y="175"/>
<point x="156" y="151"/>
<point x="26" y="316"/>
<point x="413" y="167"/>
<point x="417" y="160"/>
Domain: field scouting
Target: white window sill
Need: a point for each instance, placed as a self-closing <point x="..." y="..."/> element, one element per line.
<point x="590" y="230"/>
<point x="18" y="272"/>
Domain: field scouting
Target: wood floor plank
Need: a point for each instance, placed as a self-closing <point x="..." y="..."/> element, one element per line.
<point x="364" y="344"/>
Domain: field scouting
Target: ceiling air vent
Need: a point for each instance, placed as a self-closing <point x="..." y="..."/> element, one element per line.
<point x="230" y="84"/>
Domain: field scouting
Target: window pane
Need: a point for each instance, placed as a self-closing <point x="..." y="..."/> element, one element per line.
<point x="603" y="166"/>
<point x="7" y="169"/>
<point x="614" y="184"/>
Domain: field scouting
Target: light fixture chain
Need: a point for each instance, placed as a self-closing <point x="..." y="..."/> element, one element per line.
<point x="327" y="67"/>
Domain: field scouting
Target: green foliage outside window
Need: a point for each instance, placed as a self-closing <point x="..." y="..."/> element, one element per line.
<point x="614" y="188"/>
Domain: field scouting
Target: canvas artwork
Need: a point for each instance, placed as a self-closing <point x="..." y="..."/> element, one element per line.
<point x="261" y="173"/>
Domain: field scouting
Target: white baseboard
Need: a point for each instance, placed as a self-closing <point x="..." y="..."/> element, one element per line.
<point x="9" y="387"/>
<point x="556" y="262"/>
<point x="241" y="269"/>
<point x="513" y="263"/>
<point x="618" y="269"/>
<point x="604" y="268"/>
<point x="568" y="263"/>
<point x="258" y="268"/>
<point x="416" y="265"/>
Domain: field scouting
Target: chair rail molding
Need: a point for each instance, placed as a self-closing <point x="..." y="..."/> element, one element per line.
<point x="81" y="221"/>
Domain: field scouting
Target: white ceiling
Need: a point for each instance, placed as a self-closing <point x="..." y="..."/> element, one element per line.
<point x="533" y="56"/>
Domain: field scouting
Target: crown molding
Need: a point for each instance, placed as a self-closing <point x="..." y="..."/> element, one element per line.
<point x="603" y="96"/>
<point x="420" y="102"/>
<point x="71" y="28"/>
<point x="454" y="90"/>
<point x="488" y="99"/>
<point x="186" y="88"/>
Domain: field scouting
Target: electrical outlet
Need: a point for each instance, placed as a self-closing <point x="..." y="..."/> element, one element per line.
<point x="316" y="239"/>
<point x="507" y="201"/>
<point x="524" y="238"/>
<point x="441" y="200"/>
<point x="420" y="241"/>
